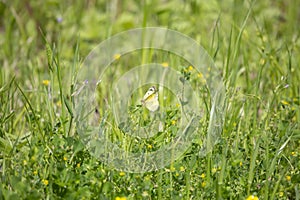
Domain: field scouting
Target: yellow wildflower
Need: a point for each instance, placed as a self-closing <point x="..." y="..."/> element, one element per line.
<point x="288" y="178"/>
<point x="172" y="169"/>
<point x="252" y="197"/>
<point x="33" y="158"/>
<point x="46" y="82"/>
<point x="214" y="170"/>
<point x="165" y="64"/>
<point x="149" y="146"/>
<point x="58" y="104"/>
<point x="295" y="100"/>
<point x="173" y="122"/>
<point x="45" y="182"/>
<point x="65" y="158"/>
<point x="203" y="184"/>
<point x="35" y="172"/>
<point x="200" y="75"/>
<point x="241" y="163"/>
<point x="122" y="173"/>
<point x="120" y="198"/>
<point x="190" y="68"/>
<point x="117" y="56"/>
<point x="24" y="162"/>
<point x="281" y="194"/>
<point x="182" y="169"/>
<point x="202" y="175"/>
<point x="285" y="102"/>
<point x="147" y="178"/>
<point x="262" y="61"/>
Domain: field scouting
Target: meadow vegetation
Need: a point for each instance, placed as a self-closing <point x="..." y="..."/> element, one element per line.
<point x="255" y="46"/>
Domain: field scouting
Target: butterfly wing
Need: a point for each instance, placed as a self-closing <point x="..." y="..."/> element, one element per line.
<point x="152" y="103"/>
<point x="150" y="100"/>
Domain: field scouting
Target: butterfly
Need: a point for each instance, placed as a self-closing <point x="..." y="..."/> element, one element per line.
<point x="150" y="99"/>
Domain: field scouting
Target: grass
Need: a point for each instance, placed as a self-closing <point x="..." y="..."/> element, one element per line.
<point x="255" y="46"/>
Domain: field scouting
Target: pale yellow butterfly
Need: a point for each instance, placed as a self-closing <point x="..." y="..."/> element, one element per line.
<point x="150" y="99"/>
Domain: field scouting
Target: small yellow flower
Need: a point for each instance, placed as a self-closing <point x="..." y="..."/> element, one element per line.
<point x="78" y="165"/>
<point x="281" y="194"/>
<point x="190" y="68"/>
<point x="293" y="69"/>
<point x="165" y="64"/>
<point x="45" y="182"/>
<point x="293" y="153"/>
<point x="252" y="197"/>
<point x="120" y="198"/>
<point x="122" y="173"/>
<point x="202" y="175"/>
<point x="35" y="172"/>
<point x="24" y="162"/>
<point x="177" y="105"/>
<point x="33" y="158"/>
<point x="149" y="146"/>
<point x="295" y="100"/>
<point x="241" y="163"/>
<point x="262" y="61"/>
<point x="173" y="122"/>
<point x="46" y="82"/>
<point x="65" y="158"/>
<point x="203" y="184"/>
<point x="117" y="56"/>
<point x="285" y="102"/>
<point x="182" y="169"/>
<point x="172" y="169"/>
<point x="214" y="170"/>
<point x="58" y="104"/>
<point x="200" y="75"/>
<point x="288" y="178"/>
